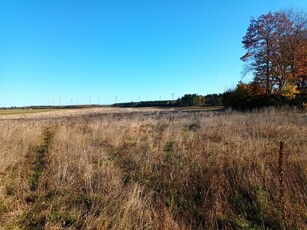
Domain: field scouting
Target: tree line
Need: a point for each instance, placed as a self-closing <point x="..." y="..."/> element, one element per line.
<point x="276" y="56"/>
<point x="186" y="100"/>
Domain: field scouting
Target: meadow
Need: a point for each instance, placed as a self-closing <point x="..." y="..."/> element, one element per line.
<point x="153" y="169"/>
<point x="22" y="111"/>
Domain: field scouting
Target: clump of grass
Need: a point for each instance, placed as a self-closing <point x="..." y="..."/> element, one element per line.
<point x="193" y="126"/>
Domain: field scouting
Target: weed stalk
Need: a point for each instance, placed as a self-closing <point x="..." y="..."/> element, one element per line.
<point x="282" y="183"/>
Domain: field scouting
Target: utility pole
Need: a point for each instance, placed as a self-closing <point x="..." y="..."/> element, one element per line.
<point x="89" y="100"/>
<point x="60" y="101"/>
<point x="173" y="96"/>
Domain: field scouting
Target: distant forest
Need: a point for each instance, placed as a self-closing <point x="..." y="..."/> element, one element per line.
<point x="186" y="100"/>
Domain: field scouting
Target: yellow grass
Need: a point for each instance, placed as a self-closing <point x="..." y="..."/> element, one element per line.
<point x="22" y="111"/>
<point x="144" y="169"/>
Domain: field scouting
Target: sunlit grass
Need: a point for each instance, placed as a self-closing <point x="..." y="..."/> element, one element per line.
<point x="179" y="170"/>
<point x="23" y="111"/>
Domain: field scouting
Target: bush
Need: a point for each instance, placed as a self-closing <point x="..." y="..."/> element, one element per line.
<point x="249" y="96"/>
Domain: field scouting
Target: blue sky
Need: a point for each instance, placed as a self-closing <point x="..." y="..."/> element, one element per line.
<point x="129" y="49"/>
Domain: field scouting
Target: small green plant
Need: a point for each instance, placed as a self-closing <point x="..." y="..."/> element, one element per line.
<point x="168" y="152"/>
<point x="169" y="146"/>
<point x="193" y="126"/>
<point x="4" y="206"/>
<point x="10" y="189"/>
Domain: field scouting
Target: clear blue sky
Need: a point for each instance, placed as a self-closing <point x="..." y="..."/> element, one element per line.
<point x="128" y="49"/>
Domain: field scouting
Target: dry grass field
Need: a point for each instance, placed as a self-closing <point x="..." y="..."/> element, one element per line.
<point x="149" y="169"/>
<point x="22" y="111"/>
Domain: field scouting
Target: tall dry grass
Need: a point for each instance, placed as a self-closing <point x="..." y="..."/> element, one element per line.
<point x="172" y="171"/>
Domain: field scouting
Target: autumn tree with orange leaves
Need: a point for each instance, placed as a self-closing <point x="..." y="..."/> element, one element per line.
<point x="276" y="54"/>
<point x="276" y="45"/>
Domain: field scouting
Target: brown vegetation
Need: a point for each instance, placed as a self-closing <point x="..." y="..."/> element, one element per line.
<point x="201" y="170"/>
